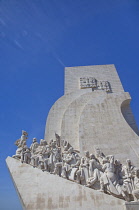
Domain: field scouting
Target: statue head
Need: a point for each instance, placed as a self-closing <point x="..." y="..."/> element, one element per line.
<point x="27" y="149"/>
<point x="50" y="143"/>
<point x="24" y="133"/>
<point x="98" y="152"/>
<point x="34" y="140"/>
<point x="87" y="154"/>
<point x="42" y="142"/>
<point x="128" y="162"/>
<point x="117" y="162"/>
<point x="53" y="143"/>
<point x="92" y="156"/>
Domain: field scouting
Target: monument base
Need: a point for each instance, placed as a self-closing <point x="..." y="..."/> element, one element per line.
<point x="42" y="190"/>
<point x="132" y="205"/>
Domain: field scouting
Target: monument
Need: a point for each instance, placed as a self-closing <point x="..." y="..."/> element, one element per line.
<point x="89" y="157"/>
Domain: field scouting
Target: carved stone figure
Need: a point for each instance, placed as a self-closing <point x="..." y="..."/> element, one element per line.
<point x="57" y="139"/>
<point x="34" y="145"/>
<point x="108" y="180"/>
<point x="65" y="145"/>
<point x="42" y="155"/>
<point x="41" y="151"/>
<point x="69" y="160"/>
<point x="43" y="142"/>
<point x="135" y="192"/>
<point x="23" y="137"/>
<point x="118" y="171"/>
<point x="99" y="155"/>
<point x="75" y="167"/>
<point x="18" y="152"/>
<point x="55" y="155"/>
<point x="43" y="162"/>
<point x="95" y="171"/>
<point x="20" y="148"/>
<point x="35" y="154"/>
<point x="128" y="172"/>
<point x="26" y="155"/>
<point x="20" y="143"/>
<point x="80" y="172"/>
<point x="83" y="172"/>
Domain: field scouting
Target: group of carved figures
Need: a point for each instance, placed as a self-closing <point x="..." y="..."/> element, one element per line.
<point x="97" y="171"/>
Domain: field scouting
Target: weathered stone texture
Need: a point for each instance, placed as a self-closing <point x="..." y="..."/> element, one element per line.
<point x="57" y="111"/>
<point x="132" y="206"/>
<point x="41" y="190"/>
<point x="100" y="72"/>
<point x="88" y="119"/>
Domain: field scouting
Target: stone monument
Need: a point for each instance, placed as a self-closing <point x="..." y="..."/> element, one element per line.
<point x="89" y="157"/>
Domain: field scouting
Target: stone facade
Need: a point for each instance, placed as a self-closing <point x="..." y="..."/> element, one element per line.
<point x="100" y="72"/>
<point x="89" y="118"/>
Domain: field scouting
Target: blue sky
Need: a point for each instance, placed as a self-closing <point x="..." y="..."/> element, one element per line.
<point x="38" y="38"/>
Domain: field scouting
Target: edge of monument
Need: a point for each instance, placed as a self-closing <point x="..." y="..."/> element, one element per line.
<point x="18" y="193"/>
<point x="90" y="65"/>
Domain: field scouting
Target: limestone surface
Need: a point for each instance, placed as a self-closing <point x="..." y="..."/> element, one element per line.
<point x="91" y="118"/>
<point x="39" y="190"/>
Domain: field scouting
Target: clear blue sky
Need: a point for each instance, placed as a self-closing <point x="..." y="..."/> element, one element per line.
<point x="38" y="38"/>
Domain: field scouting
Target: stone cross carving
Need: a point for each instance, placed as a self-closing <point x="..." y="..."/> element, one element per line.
<point x="91" y="82"/>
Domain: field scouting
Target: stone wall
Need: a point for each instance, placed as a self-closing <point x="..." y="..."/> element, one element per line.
<point x="89" y="118"/>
